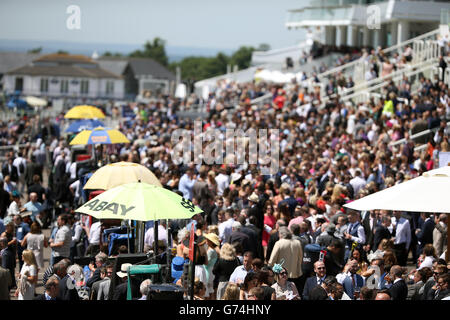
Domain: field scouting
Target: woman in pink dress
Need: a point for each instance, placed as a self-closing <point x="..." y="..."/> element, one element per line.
<point x="269" y="223"/>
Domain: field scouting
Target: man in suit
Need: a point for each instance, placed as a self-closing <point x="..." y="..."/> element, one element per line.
<point x="67" y="290"/>
<point x="100" y="260"/>
<point x="252" y="232"/>
<point x="314" y="281"/>
<point x="274" y="237"/>
<point x="289" y="200"/>
<point x="103" y="286"/>
<point x="370" y="223"/>
<point x="8" y="259"/>
<point x="10" y="170"/>
<point x="399" y="289"/>
<point x="333" y="258"/>
<point x="238" y="236"/>
<point x="355" y="232"/>
<point x="5" y="283"/>
<point x="381" y="232"/>
<point x="425" y="233"/>
<point x="289" y="250"/>
<point x="51" y="289"/>
<point x="120" y="291"/>
<point x="350" y="279"/>
<point x="5" y="200"/>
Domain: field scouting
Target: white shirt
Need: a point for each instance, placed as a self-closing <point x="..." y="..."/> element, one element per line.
<point x="357" y="183"/>
<point x="16" y="163"/>
<point x="223" y="181"/>
<point x="150" y="234"/>
<point x="94" y="233"/>
<point x="427" y="262"/>
<point x="225" y="229"/>
<point x="403" y="231"/>
<point x="361" y="238"/>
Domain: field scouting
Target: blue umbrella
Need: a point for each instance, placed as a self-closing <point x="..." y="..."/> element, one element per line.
<point x="85" y="124"/>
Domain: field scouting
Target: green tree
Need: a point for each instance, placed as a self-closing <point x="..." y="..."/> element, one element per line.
<point x="155" y="50"/>
<point x="263" y="47"/>
<point x="62" y="52"/>
<point x="242" y="57"/>
<point x="110" y="54"/>
<point x="35" y="50"/>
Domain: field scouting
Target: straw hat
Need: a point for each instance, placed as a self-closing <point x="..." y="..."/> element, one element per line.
<point x="214" y="238"/>
<point x="253" y="197"/>
<point x="124" y="270"/>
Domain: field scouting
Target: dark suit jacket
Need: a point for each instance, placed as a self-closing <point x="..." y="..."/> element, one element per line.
<point x="310" y="283"/>
<point x="41" y="297"/>
<point x="253" y="240"/>
<point x="95" y="277"/>
<point x="370" y="235"/>
<point x="425" y="236"/>
<point x="65" y="293"/>
<point x="242" y="238"/>
<point x="399" y="290"/>
<point x="5" y="200"/>
<point x="318" y="293"/>
<point x="5" y="283"/>
<point x="272" y="240"/>
<point x="381" y="233"/>
<point x="14" y="175"/>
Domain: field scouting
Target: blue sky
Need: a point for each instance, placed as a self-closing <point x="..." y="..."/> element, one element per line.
<point x="196" y="23"/>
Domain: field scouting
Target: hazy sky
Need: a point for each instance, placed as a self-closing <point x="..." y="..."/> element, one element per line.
<point x="195" y="23"/>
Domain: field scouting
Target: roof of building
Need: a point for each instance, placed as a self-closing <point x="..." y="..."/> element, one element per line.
<point x="114" y="66"/>
<point x="140" y="67"/>
<point x="14" y="60"/>
<point x="64" y="71"/>
<point x="68" y="66"/>
<point x="65" y="58"/>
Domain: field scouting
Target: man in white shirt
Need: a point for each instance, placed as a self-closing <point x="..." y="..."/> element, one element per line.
<point x="63" y="238"/>
<point x="239" y="274"/>
<point x="149" y="237"/>
<point x="20" y="163"/>
<point x="223" y="181"/>
<point x="402" y="238"/>
<point x="225" y="228"/>
<point x="358" y="182"/>
<point x="187" y="183"/>
<point x="355" y="232"/>
<point x="94" y="233"/>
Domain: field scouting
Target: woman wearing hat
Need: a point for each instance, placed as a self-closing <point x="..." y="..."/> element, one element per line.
<point x="213" y="242"/>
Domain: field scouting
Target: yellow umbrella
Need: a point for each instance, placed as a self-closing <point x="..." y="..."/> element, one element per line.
<point x="99" y="135"/>
<point x="84" y="112"/>
<point x="115" y="174"/>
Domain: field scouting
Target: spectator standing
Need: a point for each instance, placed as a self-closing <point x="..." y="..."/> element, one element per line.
<point x="28" y="277"/>
<point x="36" y="241"/>
<point x="61" y="244"/>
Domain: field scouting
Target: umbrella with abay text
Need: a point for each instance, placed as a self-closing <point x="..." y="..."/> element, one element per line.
<point x="139" y="201"/>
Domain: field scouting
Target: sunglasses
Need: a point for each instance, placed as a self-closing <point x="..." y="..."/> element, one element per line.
<point x="283" y="273"/>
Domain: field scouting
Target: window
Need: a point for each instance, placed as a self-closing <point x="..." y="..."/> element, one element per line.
<point x="84" y="86"/>
<point x="109" y="87"/>
<point x="64" y="86"/>
<point x="44" y="85"/>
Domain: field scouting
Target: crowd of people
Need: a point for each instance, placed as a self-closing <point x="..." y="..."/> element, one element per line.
<point x="266" y="237"/>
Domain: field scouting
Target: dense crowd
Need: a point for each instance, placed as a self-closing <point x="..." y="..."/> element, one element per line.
<point x="280" y="236"/>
